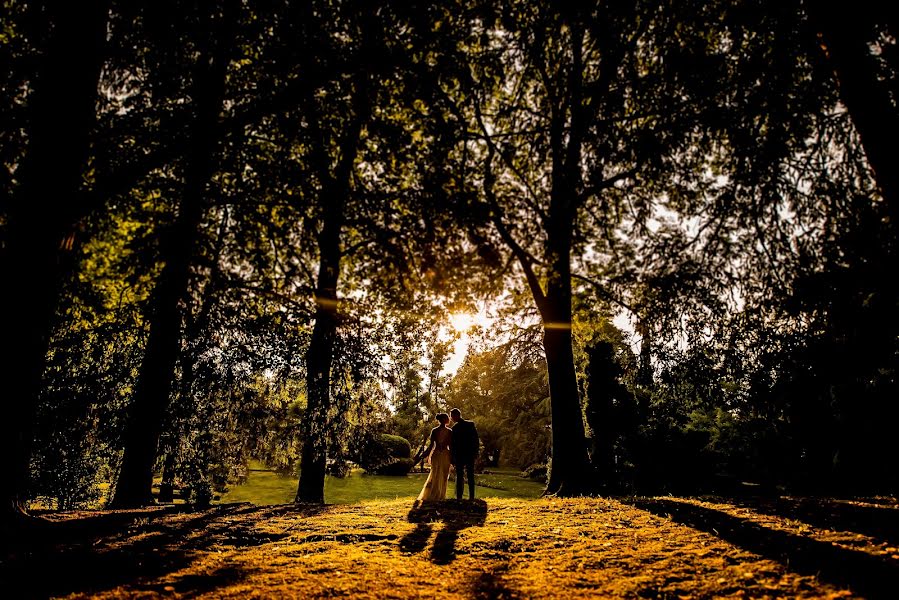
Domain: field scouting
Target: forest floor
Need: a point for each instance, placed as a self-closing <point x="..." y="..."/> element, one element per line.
<point x="662" y="547"/>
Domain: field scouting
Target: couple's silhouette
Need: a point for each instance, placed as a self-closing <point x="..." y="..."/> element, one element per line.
<point x="454" y="515"/>
<point x="456" y="447"/>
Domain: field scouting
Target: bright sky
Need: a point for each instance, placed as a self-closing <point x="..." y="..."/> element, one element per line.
<point x="462" y="323"/>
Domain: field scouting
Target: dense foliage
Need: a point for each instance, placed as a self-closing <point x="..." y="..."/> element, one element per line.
<point x="241" y="231"/>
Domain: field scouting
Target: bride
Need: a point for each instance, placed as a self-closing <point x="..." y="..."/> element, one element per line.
<point x="439" y="459"/>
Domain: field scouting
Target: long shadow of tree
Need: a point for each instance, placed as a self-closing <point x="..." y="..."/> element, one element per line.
<point x="864" y="573"/>
<point x="91" y="554"/>
<point x="455" y="515"/>
<point x="881" y="522"/>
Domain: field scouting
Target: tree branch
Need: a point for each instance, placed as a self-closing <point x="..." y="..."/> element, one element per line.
<point x="493" y="149"/>
<point x="524" y="257"/>
<point x="609" y="182"/>
<point x="604" y="292"/>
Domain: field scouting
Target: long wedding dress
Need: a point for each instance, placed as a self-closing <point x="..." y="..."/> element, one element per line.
<point x="435" y="486"/>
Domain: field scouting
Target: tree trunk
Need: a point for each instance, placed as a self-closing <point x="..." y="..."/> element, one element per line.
<point x="151" y="394"/>
<point x="320" y="354"/>
<point x="570" y="472"/>
<point x="167" y="486"/>
<point x="40" y="223"/>
<point x="569" y="475"/>
<point x="846" y="35"/>
<point x="153" y="389"/>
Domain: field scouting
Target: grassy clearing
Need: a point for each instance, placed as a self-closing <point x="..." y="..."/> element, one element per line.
<point x="494" y="548"/>
<point x="266" y="487"/>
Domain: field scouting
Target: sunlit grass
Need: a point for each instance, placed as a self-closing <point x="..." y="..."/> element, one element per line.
<point x="269" y="487"/>
<point x="664" y="547"/>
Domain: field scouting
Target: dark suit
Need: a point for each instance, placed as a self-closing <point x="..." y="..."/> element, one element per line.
<point x="466" y="447"/>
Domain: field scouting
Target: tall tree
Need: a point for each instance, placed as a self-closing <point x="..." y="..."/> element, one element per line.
<point x="848" y="39"/>
<point x="366" y="134"/>
<point x="154" y="384"/>
<point x="585" y="121"/>
<point x="553" y="117"/>
<point x="334" y="176"/>
<point x="506" y="394"/>
<point x="42" y="217"/>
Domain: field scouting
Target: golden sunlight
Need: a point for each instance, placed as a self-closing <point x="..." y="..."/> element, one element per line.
<point x="459" y="328"/>
<point x="462" y="321"/>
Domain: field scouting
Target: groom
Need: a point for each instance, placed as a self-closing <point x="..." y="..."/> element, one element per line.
<point x="465" y="450"/>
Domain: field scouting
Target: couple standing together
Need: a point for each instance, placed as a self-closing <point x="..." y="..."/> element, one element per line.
<point x="457" y="446"/>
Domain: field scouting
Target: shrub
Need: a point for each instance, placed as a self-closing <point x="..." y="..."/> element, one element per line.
<point x="383" y="449"/>
<point x="67" y="461"/>
<point x="398" y="467"/>
<point x="397" y="446"/>
<point x="200" y="494"/>
<point x="535" y="471"/>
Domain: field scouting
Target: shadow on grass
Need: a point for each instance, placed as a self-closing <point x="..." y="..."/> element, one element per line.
<point x="490" y="585"/>
<point x="880" y="522"/>
<point x="194" y="585"/>
<point x="94" y="553"/>
<point x="455" y="515"/>
<point x="863" y="573"/>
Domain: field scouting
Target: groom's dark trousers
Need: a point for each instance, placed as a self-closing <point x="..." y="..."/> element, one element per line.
<point x="468" y="467"/>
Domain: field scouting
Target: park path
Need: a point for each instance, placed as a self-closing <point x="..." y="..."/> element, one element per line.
<point x="565" y="548"/>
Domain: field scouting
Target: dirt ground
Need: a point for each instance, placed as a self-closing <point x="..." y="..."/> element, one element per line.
<point x="662" y="547"/>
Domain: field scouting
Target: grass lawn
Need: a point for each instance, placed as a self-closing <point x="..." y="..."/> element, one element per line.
<point x="266" y="487"/>
<point x="666" y="548"/>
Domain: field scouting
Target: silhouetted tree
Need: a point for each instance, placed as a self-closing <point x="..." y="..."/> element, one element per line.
<point x="153" y="388"/>
<point x="581" y="120"/>
<point x="41" y="217"/>
<point x="848" y="39"/>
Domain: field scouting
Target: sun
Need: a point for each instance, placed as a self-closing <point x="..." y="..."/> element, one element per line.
<point x="462" y="321"/>
<point x="459" y="332"/>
